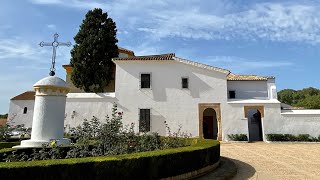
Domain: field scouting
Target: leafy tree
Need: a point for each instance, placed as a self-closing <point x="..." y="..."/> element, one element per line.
<point x="311" y="102"/>
<point x="307" y="97"/>
<point x="91" y="55"/>
<point x="286" y="96"/>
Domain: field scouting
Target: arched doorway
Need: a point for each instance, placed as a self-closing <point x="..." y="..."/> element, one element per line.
<point x="210" y="124"/>
<point x="254" y="125"/>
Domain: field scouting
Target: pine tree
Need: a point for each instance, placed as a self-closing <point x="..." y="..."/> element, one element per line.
<point x="91" y="56"/>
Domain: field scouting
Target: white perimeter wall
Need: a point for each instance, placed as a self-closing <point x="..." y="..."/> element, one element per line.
<point x="274" y="121"/>
<point x="294" y="122"/>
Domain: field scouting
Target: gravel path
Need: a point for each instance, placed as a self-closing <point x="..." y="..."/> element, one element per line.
<point x="274" y="161"/>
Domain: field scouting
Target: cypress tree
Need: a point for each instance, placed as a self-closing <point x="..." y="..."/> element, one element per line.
<point x="92" y="53"/>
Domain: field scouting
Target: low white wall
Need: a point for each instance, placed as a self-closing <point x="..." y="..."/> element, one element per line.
<point x="235" y="122"/>
<point x="82" y="106"/>
<point x="274" y="121"/>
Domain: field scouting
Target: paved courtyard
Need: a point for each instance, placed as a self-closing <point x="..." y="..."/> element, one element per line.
<point x="274" y="161"/>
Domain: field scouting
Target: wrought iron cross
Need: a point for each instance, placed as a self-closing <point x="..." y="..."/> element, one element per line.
<point x="54" y="45"/>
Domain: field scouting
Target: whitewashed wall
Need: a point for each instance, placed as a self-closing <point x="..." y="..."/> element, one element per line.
<point x="82" y="106"/>
<point x="16" y="112"/>
<point x="235" y="121"/>
<point x="166" y="99"/>
<point x="275" y="121"/>
<point x="294" y="122"/>
<point x="249" y="89"/>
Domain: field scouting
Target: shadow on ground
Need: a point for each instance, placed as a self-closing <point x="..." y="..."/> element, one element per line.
<point x="244" y="170"/>
<point x="230" y="169"/>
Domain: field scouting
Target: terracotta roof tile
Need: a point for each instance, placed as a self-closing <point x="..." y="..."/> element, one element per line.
<point x="126" y="50"/>
<point x="28" y="95"/>
<point x="235" y="77"/>
<point x="160" y="57"/>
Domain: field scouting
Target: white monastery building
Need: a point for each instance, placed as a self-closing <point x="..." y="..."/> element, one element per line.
<point x="206" y="101"/>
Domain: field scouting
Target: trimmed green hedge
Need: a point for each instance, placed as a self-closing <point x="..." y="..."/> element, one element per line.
<point x="238" y="137"/>
<point x="8" y="144"/>
<point x="290" y="137"/>
<point x="144" y="165"/>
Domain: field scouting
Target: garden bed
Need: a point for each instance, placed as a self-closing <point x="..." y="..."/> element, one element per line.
<point x="145" y="165"/>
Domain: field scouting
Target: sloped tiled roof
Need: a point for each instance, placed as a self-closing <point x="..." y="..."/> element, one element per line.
<point x="126" y="50"/>
<point x="28" y="95"/>
<point x="235" y="77"/>
<point x="160" y="57"/>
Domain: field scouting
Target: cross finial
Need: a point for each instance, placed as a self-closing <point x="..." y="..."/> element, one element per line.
<point x="54" y="45"/>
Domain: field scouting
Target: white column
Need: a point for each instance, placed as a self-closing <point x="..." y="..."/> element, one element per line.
<point x="48" y="114"/>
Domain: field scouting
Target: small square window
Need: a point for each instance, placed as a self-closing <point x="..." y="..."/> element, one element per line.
<point x="232" y="94"/>
<point x="144" y="120"/>
<point x="145" y="81"/>
<point x="185" y="83"/>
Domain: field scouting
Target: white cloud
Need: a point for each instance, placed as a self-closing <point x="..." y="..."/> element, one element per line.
<point x="241" y="65"/>
<point x="72" y="3"/>
<point x="52" y="26"/>
<point x="15" y="48"/>
<point x="268" y="21"/>
<point x="210" y="20"/>
<point x="144" y="49"/>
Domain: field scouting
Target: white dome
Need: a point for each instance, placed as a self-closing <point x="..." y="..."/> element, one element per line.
<point x="51" y="81"/>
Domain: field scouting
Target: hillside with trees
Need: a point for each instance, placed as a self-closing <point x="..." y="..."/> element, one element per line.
<point x="308" y="98"/>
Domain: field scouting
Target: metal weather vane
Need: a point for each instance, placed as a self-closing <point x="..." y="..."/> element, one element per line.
<point x="54" y="45"/>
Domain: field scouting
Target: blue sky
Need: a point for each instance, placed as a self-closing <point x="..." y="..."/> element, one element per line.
<point x="278" y="38"/>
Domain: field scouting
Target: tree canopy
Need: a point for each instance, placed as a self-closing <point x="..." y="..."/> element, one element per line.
<point x="307" y="98"/>
<point x="91" y="56"/>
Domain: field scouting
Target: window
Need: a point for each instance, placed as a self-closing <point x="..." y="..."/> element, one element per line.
<point x="144" y="120"/>
<point x="232" y="94"/>
<point x="25" y="109"/>
<point x="145" y="80"/>
<point x="185" y="83"/>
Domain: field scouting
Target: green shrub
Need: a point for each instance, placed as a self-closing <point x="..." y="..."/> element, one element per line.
<point x="8" y="144"/>
<point x="146" y="165"/>
<point x="303" y="137"/>
<point x="290" y="137"/>
<point x="4" y="132"/>
<point x="238" y="137"/>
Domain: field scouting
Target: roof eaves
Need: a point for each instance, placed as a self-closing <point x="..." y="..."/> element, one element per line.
<point x="160" y="57"/>
<point x="28" y="95"/>
<point x="201" y="65"/>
